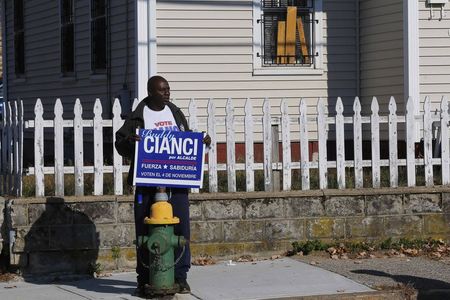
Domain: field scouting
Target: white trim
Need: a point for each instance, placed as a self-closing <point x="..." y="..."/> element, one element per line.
<point x="411" y="51"/>
<point x="145" y="58"/>
<point x="258" y="69"/>
<point x="152" y="38"/>
<point x="4" y="53"/>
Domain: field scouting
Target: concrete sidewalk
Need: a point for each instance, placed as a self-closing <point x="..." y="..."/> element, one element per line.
<point x="270" y="279"/>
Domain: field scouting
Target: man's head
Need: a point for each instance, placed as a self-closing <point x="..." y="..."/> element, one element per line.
<point x="158" y="90"/>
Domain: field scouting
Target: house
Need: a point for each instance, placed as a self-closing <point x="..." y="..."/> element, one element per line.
<point x="218" y="49"/>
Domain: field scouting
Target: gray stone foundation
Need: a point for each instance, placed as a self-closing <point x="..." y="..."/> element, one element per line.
<point x="77" y="235"/>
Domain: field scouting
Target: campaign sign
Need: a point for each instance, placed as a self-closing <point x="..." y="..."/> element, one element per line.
<point x="169" y="159"/>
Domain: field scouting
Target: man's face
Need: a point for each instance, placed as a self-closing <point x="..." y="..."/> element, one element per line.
<point x="160" y="91"/>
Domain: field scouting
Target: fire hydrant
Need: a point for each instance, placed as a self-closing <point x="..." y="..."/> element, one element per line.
<point x="161" y="243"/>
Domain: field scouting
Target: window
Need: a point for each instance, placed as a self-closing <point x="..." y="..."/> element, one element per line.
<point x="67" y="38"/>
<point x="98" y="36"/>
<point x="287" y="36"/>
<point x="19" y="39"/>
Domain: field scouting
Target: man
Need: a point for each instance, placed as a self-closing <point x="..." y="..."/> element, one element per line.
<point x="156" y="112"/>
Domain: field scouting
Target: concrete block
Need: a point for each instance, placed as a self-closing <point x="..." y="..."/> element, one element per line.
<point x="94" y="212"/>
<point x="422" y="203"/>
<point x="206" y="231"/>
<point x="364" y="227"/>
<point x="125" y="212"/>
<point x="127" y="259"/>
<point x="285" y="230"/>
<point x="121" y="235"/>
<point x="406" y="226"/>
<point x="384" y="205"/>
<point x="51" y="213"/>
<point x="241" y="231"/>
<point x="446" y="203"/>
<point x="436" y="223"/>
<point x="344" y="206"/>
<point x="223" y="210"/>
<point x="18" y="214"/>
<point x="28" y="239"/>
<point x="304" y="207"/>
<point x="195" y="210"/>
<point x="325" y="228"/>
<point x="73" y="237"/>
<point x="264" y="208"/>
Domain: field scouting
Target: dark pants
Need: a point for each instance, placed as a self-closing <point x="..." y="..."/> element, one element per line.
<point x="180" y="204"/>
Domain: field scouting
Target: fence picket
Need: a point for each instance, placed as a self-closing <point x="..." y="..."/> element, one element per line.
<point x="445" y="151"/>
<point x="322" y="128"/>
<point x="78" y="148"/>
<point x="375" y="131"/>
<point x="230" y="138"/>
<point x="428" y="142"/>
<point x="59" y="148"/>
<point x="20" y="158"/>
<point x="393" y="152"/>
<point x="39" y="149"/>
<point x="135" y="104"/>
<point x="286" y="145"/>
<point x="267" y="135"/>
<point x="410" y="142"/>
<point x="357" y="144"/>
<point x="98" y="148"/>
<point x="249" y="147"/>
<point x="340" y="144"/>
<point x="15" y="139"/>
<point x="193" y="125"/>
<point x="2" y="155"/>
<point x="212" y="154"/>
<point x="304" y="146"/>
<point x="117" y="159"/>
<point x="10" y="162"/>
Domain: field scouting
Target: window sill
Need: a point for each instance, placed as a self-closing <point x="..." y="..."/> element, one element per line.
<point x="68" y="79"/>
<point x="20" y="80"/>
<point x="98" y="77"/>
<point x="286" y="71"/>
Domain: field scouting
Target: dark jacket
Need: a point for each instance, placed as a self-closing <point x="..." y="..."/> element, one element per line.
<point x="125" y="147"/>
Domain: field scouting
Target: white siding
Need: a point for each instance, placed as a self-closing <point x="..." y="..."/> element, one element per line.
<point x="434" y="51"/>
<point x="42" y="58"/>
<point x="205" y="50"/>
<point x="381" y="53"/>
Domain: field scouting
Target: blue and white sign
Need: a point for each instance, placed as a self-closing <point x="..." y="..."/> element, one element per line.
<point x="169" y="159"/>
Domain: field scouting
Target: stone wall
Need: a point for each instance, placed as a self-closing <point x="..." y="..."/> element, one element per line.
<point x="74" y="234"/>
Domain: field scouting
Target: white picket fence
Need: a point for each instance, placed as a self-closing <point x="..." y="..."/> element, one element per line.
<point x="12" y="135"/>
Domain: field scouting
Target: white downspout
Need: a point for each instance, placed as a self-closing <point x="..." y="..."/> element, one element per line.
<point x="411" y="52"/>
<point x="145" y="58"/>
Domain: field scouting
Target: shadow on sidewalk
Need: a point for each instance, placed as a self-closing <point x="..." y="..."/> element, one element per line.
<point x="426" y="288"/>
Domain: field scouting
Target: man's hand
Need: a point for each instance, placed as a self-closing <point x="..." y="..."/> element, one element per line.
<point x="133" y="138"/>
<point x="207" y="140"/>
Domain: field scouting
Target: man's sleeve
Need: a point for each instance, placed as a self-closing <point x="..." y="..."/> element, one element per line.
<point x="123" y="145"/>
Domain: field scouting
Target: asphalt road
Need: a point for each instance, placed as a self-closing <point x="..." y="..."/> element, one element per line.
<point x="431" y="278"/>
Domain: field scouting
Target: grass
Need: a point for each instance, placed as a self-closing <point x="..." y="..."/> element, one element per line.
<point x="222" y="181"/>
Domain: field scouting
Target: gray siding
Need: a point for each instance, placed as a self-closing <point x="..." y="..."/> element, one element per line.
<point x="205" y="50"/>
<point x="42" y="58"/>
<point x="434" y="40"/>
<point x="381" y="52"/>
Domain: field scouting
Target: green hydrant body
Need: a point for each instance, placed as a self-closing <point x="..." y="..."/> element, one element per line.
<point x="161" y="243"/>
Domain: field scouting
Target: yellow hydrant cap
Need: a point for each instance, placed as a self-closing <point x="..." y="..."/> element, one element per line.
<point x="161" y="214"/>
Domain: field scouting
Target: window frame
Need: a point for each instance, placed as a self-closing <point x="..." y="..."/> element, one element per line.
<point x="95" y="70"/>
<point x="316" y="68"/>
<point x="63" y="72"/>
<point x="19" y="33"/>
